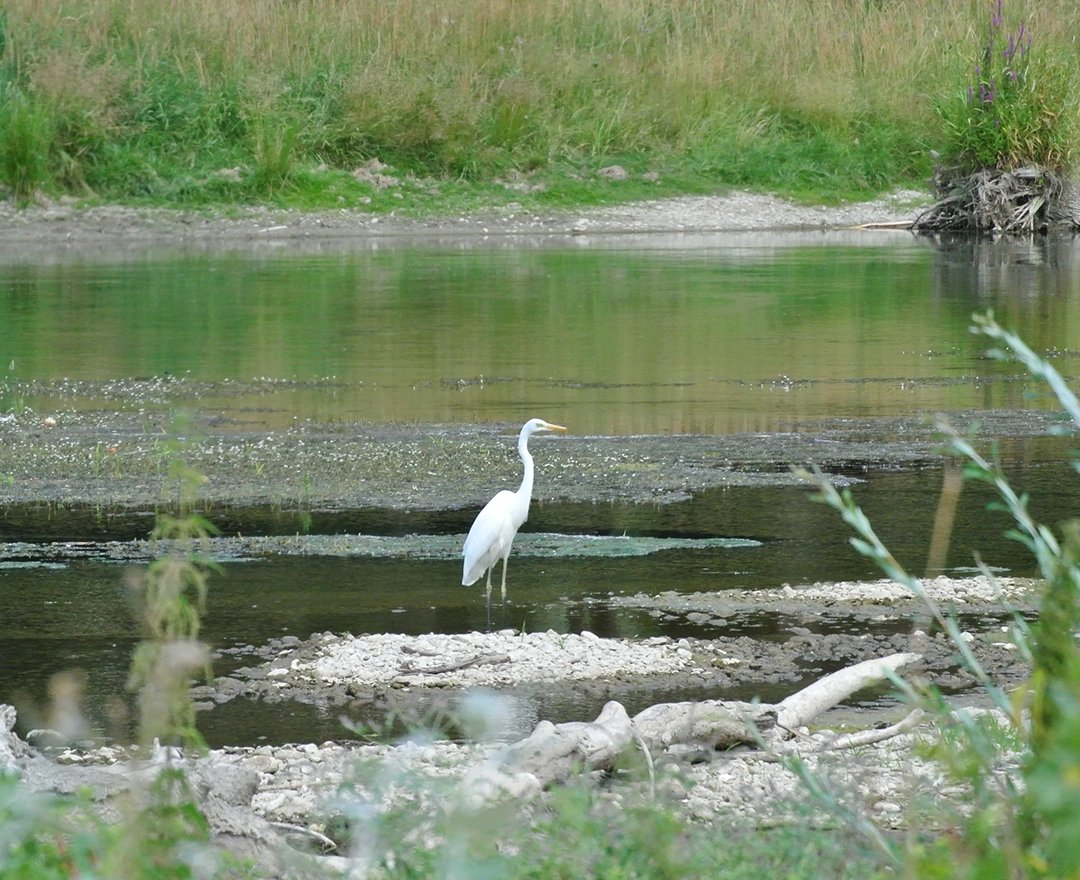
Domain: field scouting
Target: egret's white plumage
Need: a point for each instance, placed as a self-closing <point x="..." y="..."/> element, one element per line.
<point x="494" y="528"/>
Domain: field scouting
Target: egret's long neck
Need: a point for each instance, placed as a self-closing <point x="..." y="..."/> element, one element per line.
<point x="527" y="460"/>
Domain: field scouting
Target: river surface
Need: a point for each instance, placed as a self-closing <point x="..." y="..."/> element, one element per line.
<point x="610" y="336"/>
<point x="665" y="334"/>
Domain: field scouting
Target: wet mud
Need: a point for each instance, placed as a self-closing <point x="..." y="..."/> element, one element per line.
<point x="111" y="445"/>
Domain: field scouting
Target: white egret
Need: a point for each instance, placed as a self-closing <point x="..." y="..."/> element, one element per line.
<point x="494" y="528"/>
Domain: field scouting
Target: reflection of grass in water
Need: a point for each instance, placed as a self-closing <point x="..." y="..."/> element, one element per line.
<point x="574" y="316"/>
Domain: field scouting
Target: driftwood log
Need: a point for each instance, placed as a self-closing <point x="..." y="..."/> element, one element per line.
<point x="555" y="752"/>
<point x="804" y="706"/>
<point x="551" y="753"/>
<point x="707" y="724"/>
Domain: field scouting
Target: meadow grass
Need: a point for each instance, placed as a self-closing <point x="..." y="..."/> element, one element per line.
<point x="143" y="100"/>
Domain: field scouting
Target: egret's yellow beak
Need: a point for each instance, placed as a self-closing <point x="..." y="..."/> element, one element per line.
<point x="552" y="427"/>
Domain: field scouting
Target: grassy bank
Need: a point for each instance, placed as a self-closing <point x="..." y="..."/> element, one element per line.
<point x="147" y="101"/>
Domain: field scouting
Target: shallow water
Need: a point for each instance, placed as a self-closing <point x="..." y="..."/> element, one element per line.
<point x="617" y="335"/>
<point x="77" y="615"/>
<point x="611" y="336"/>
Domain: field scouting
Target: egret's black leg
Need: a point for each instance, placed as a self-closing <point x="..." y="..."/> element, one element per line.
<point x="489" y="599"/>
<point x="506" y="560"/>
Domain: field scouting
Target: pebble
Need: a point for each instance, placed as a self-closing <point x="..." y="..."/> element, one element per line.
<point x="298" y="783"/>
<point x="516" y="657"/>
<point x="734" y="211"/>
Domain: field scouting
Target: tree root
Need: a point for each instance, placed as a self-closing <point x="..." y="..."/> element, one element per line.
<point x="1017" y="200"/>
<point x="555" y="752"/>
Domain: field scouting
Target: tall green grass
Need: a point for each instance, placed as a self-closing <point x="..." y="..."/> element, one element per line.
<point x="1019" y="106"/>
<point x="1021" y="822"/>
<point x="25" y="140"/>
<point x="148" y="99"/>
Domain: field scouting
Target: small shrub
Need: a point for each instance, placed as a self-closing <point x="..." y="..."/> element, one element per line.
<point x="273" y="149"/>
<point x="1016" y="110"/>
<point x="170" y="596"/>
<point x="162" y="833"/>
<point x="26" y="133"/>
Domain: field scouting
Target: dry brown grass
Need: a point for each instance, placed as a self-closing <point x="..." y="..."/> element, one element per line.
<point x="820" y="55"/>
<point x="801" y="31"/>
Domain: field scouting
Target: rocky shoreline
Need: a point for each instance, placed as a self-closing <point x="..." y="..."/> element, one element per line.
<point x="51" y="225"/>
<point x="260" y="797"/>
<point x="493" y="687"/>
<point x="406" y="675"/>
